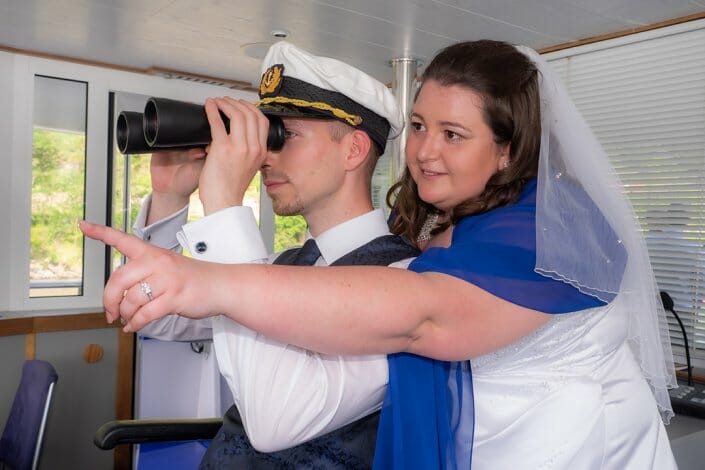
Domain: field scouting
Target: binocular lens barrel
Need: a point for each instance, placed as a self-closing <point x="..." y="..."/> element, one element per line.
<point x="129" y="133"/>
<point x="171" y="124"/>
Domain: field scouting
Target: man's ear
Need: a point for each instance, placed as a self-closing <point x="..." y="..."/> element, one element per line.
<point x="358" y="150"/>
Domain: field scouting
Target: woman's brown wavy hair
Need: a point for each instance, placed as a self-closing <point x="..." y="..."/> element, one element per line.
<point x="508" y="82"/>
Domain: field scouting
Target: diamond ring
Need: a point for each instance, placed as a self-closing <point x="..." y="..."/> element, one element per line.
<point x="147" y="289"/>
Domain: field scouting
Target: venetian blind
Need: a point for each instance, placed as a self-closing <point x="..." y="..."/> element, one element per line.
<point x="645" y="101"/>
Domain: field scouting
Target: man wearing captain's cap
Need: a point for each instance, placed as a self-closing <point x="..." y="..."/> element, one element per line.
<point x="299" y="409"/>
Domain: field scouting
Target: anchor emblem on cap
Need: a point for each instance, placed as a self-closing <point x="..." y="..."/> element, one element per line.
<point x="271" y="80"/>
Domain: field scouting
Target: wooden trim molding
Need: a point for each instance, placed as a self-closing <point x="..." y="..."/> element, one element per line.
<point x="46" y="55"/>
<point x="30" y="325"/>
<point x="163" y="72"/>
<point x="698" y="375"/>
<point x="125" y="365"/>
<point x="619" y="34"/>
<point x="124" y="393"/>
<point x="30" y="346"/>
<point x="16" y="326"/>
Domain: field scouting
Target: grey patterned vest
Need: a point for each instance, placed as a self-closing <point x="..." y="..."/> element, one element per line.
<point x="350" y="447"/>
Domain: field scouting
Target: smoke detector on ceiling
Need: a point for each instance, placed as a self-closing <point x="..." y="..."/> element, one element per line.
<point x="256" y="50"/>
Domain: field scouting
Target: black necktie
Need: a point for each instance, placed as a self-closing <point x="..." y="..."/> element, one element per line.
<point x="308" y="254"/>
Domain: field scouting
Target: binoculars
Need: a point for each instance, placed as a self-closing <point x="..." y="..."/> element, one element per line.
<point x="171" y="124"/>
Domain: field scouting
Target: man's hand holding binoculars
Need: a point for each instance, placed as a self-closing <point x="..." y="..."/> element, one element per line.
<point x="175" y="175"/>
<point x="235" y="154"/>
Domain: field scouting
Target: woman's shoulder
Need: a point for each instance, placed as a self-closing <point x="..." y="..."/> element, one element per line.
<point x="513" y="224"/>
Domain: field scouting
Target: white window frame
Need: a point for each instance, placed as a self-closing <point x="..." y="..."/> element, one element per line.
<point x="17" y="73"/>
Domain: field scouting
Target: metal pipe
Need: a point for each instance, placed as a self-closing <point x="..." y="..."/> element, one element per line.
<point x="404" y="88"/>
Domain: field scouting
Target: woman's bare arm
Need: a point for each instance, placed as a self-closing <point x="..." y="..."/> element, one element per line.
<point x="335" y="310"/>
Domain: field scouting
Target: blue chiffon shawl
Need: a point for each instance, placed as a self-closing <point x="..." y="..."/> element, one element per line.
<point x="427" y="415"/>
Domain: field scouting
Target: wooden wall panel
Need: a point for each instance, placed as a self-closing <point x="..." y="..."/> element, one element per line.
<point x="40" y="336"/>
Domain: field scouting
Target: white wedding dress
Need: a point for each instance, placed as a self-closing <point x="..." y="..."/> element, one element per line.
<point x="569" y="396"/>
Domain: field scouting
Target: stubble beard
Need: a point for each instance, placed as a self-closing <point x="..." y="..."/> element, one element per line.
<point x="294" y="207"/>
<point x="283" y="204"/>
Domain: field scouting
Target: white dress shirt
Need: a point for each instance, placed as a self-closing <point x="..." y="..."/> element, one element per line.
<point x="286" y="395"/>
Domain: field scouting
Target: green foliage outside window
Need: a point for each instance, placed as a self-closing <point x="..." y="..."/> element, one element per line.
<point x="58" y="163"/>
<point x="289" y="231"/>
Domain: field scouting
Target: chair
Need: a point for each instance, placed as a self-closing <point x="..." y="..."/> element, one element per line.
<point x="22" y="436"/>
<point x="173" y="429"/>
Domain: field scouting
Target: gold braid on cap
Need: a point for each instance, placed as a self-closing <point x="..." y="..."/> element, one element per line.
<point x="352" y="119"/>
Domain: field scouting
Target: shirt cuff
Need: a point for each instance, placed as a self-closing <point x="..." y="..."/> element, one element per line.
<point x="228" y="236"/>
<point x="163" y="232"/>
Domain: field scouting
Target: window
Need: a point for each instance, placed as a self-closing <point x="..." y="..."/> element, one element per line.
<point x="57" y="168"/>
<point x="382" y="180"/>
<point x="289" y="231"/>
<point x="644" y="97"/>
<point x="58" y="190"/>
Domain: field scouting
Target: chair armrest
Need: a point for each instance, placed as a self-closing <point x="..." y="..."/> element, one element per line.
<point x="142" y="431"/>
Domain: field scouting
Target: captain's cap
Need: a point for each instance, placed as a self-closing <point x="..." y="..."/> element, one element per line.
<point x="297" y="84"/>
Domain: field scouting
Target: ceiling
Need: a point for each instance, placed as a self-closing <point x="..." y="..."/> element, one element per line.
<point x="208" y="37"/>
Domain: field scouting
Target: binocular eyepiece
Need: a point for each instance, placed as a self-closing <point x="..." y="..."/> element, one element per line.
<point x="172" y="124"/>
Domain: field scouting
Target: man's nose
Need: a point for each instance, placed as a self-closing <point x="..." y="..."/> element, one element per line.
<point x="269" y="159"/>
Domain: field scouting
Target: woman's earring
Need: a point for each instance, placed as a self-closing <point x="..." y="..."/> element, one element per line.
<point x="505" y="164"/>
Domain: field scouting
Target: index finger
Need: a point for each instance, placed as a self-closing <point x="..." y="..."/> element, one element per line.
<point x="261" y="123"/>
<point x="128" y="245"/>
<point x="218" y="130"/>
